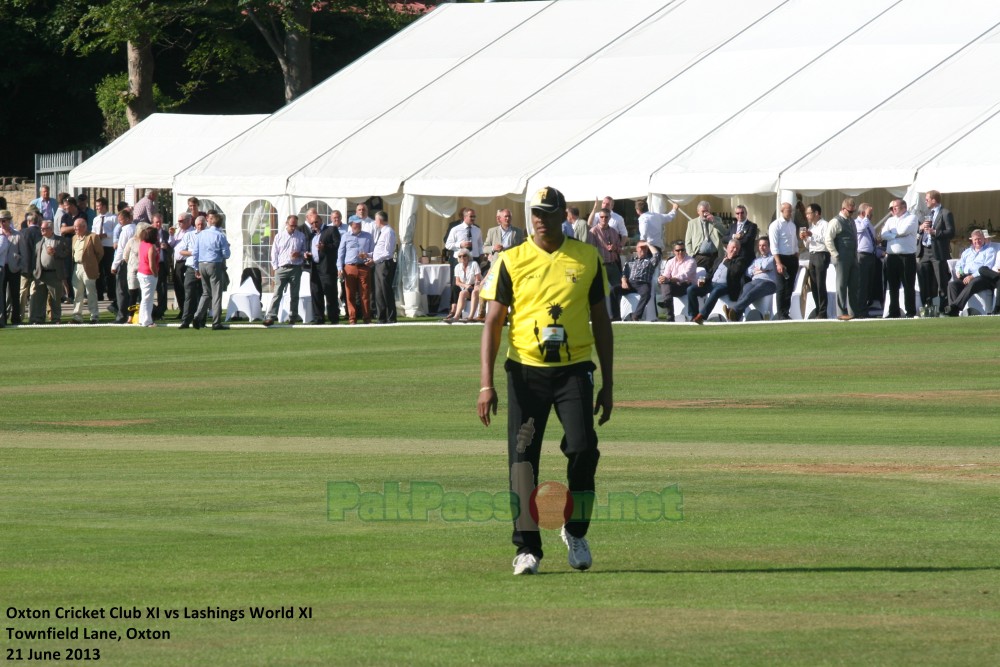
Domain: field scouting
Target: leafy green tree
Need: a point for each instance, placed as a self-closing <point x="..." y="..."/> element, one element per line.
<point x="287" y="28"/>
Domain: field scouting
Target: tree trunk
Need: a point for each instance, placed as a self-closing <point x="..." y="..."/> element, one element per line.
<point x="140" y="81"/>
<point x="297" y="64"/>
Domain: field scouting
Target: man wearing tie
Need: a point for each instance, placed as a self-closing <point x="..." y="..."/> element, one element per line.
<point x="166" y="264"/>
<point x="744" y="232"/>
<point x="175" y="239"/>
<point x="385" y="269"/>
<point x="466" y="235"/>
<point x="323" y="246"/>
<point x="104" y="226"/>
<point x="937" y="229"/>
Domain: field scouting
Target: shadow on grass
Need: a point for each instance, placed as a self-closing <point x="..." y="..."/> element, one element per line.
<point x="800" y="570"/>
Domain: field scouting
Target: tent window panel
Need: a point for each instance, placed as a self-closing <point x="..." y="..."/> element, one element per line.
<point x="260" y="225"/>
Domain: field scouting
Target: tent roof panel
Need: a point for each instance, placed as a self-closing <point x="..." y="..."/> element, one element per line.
<point x="260" y="162"/>
<point x="505" y="153"/>
<point x="940" y="100"/>
<point x="176" y="141"/>
<point x="465" y="99"/>
<point x="794" y="119"/>
<point x="969" y="165"/>
<point x="672" y="116"/>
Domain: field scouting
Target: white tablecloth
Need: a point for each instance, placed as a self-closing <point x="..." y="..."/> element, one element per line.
<point x="434" y="281"/>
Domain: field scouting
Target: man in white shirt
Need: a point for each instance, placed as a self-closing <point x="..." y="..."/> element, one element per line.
<point x="785" y="246"/>
<point x="900" y="231"/>
<point x="819" y="257"/>
<point x="467" y="235"/>
<point x="104" y="226"/>
<point x="385" y="269"/>
<point x="651" y="224"/>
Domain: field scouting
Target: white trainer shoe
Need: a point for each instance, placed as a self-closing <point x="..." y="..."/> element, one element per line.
<point x="579" y="550"/>
<point x="525" y="564"/>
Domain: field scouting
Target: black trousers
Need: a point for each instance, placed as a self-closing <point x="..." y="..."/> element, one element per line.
<point x="786" y="285"/>
<point x="901" y="270"/>
<point x="385" y="295"/>
<point x="667" y="293"/>
<point x="932" y="276"/>
<point x="644" y="291"/>
<point x="179" y="287"/>
<point x="959" y="293"/>
<point x="192" y="295"/>
<point x="124" y="297"/>
<point x="819" y="264"/>
<point x="11" y="287"/>
<point x="531" y="394"/>
<point x="106" y="281"/>
<point x="615" y="289"/>
<point x="868" y="285"/>
<point x="323" y="287"/>
<point x="161" y="292"/>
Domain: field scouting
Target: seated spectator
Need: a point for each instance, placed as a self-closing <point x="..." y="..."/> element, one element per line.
<point x="676" y="276"/>
<point x="727" y="279"/>
<point x="763" y="281"/>
<point x="968" y="280"/>
<point x="638" y="276"/>
<point x="467" y="280"/>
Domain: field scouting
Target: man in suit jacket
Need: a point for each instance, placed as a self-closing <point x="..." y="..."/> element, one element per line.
<point x="324" y="243"/>
<point x="87" y="253"/>
<point x="10" y="269"/>
<point x="49" y="272"/>
<point x="744" y="232"/>
<point x="937" y="229"/>
<point x="704" y="238"/>
<point x="29" y="238"/>
<point x="727" y="279"/>
<point x="498" y="239"/>
<point x="501" y="237"/>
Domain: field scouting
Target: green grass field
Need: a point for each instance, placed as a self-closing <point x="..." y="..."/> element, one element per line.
<point x="841" y="498"/>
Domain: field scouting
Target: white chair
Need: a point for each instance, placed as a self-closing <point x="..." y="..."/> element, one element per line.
<point x="629" y="303"/>
<point x="245" y="301"/>
<point x="795" y="306"/>
<point x="305" y="301"/>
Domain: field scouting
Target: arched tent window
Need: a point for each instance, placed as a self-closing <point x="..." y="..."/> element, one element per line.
<point x="322" y="209"/>
<point x="260" y="225"/>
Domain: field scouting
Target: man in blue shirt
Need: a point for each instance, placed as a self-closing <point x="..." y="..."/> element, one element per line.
<point x="969" y="279"/>
<point x="287" y="258"/>
<point x="354" y="265"/>
<point x="211" y="251"/>
<point x="45" y="204"/>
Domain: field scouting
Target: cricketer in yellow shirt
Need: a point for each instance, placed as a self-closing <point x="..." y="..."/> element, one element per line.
<point x="554" y="289"/>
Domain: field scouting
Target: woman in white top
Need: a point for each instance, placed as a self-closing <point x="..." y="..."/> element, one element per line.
<point x="467" y="279"/>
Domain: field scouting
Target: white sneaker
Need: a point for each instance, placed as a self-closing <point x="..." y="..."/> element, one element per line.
<point x="579" y="550"/>
<point x="525" y="564"/>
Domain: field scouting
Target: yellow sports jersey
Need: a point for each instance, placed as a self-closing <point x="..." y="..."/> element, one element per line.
<point x="549" y="296"/>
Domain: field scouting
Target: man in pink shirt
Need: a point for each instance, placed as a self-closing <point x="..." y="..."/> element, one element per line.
<point x="676" y="276"/>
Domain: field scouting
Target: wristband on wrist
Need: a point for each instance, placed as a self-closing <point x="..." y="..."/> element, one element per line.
<point x="487" y="389"/>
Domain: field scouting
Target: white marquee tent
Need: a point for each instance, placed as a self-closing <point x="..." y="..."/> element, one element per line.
<point x="629" y="98"/>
